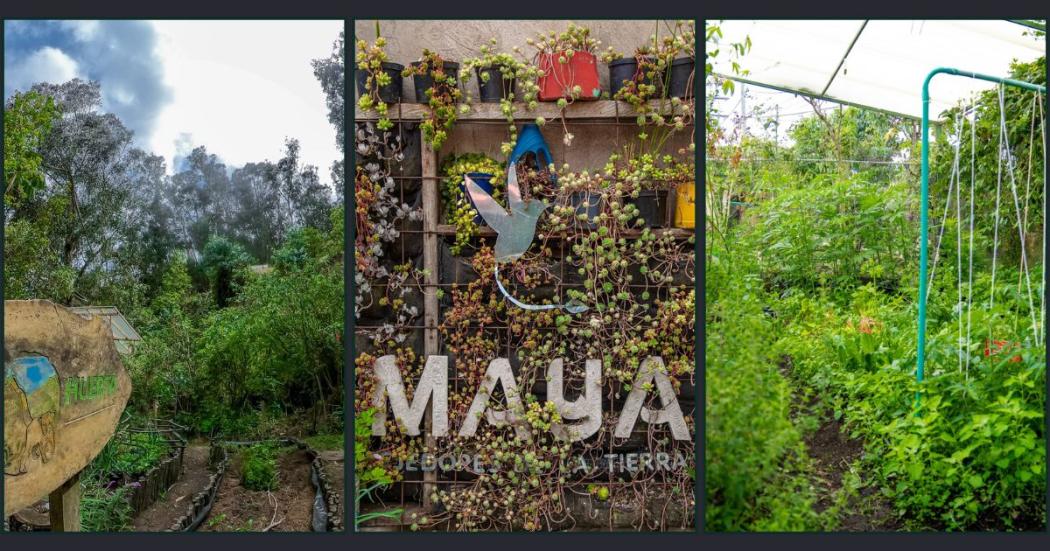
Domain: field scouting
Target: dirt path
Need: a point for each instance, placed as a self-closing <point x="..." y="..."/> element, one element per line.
<point x="238" y="509"/>
<point x="833" y="452"/>
<point x="162" y="514"/>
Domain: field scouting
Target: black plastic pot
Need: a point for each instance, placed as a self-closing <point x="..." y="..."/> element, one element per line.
<point x="652" y="207"/>
<point x="496" y="88"/>
<point x="681" y="82"/>
<point x="589" y="203"/>
<point x="391" y="93"/>
<point x="425" y="82"/>
<point x="625" y="70"/>
<point x="620" y="72"/>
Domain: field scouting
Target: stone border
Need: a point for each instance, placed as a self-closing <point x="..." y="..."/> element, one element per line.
<point x="157" y="480"/>
<point x="201" y="504"/>
<point x="329" y="495"/>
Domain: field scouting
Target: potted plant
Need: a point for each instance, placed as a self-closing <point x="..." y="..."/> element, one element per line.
<point x="505" y="78"/>
<point x="435" y="84"/>
<point x="568" y="64"/>
<point x="497" y="73"/>
<point x="459" y="210"/>
<point x="679" y="51"/>
<point x="378" y="81"/>
<point x="631" y="71"/>
<point x="582" y="199"/>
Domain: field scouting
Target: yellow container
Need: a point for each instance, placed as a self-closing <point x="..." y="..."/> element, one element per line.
<point x="685" y="206"/>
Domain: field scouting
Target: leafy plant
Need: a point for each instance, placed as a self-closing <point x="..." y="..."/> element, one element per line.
<point x="524" y="75"/>
<point x="370" y="59"/>
<point x="28" y="117"/>
<point x="259" y="468"/>
<point x="103" y="509"/>
<point x="458" y="209"/>
<point x="442" y="97"/>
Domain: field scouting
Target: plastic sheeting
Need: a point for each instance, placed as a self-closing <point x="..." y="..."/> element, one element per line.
<point x="124" y="335"/>
<point x="883" y="63"/>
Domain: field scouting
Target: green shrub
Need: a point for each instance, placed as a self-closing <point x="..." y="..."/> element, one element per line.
<point x="259" y="468"/>
<point x="104" y="510"/>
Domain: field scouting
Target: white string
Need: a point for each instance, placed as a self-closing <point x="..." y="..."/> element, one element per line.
<point x="944" y="216"/>
<point x="958" y="249"/>
<point x="1042" y="279"/>
<point x="995" y="215"/>
<point x="1012" y="168"/>
<point x="973" y="185"/>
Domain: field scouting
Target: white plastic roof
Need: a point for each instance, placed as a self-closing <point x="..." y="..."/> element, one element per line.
<point x="877" y="63"/>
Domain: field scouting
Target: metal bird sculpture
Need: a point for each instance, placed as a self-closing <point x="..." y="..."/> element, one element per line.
<point x="514" y="230"/>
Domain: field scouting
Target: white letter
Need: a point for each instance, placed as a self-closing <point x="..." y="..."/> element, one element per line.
<point x="588" y="408"/>
<point x="497" y="372"/>
<point x="652" y="369"/>
<point x="433" y="381"/>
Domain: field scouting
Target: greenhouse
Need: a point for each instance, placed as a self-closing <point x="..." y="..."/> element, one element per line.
<point x="875" y="356"/>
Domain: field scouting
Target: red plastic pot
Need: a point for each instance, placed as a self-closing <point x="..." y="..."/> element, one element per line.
<point x="558" y="79"/>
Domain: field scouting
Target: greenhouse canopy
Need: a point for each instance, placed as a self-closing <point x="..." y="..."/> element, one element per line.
<point x="877" y="64"/>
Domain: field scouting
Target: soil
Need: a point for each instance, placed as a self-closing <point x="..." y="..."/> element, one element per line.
<point x="833" y="452"/>
<point x="176" y="501"/>
<point x="238" y="509"/>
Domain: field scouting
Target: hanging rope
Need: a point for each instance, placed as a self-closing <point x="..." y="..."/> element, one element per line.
<point x="944" y="215"/>
<point x="1006" y="161"/>
<point x="995" y="215"/>
<point x="1042" y="279"/>
<point x="973" y="186"/>
<point x="1011" y="166"/>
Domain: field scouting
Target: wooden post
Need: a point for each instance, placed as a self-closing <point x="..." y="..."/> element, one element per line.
<point x="430" y="286"/>
<point x="65" y="506"/>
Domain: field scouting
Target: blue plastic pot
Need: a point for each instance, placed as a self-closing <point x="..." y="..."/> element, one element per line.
<point x="484" y="181"/>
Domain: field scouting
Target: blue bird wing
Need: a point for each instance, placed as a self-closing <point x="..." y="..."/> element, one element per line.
<point x="494" y="215"/>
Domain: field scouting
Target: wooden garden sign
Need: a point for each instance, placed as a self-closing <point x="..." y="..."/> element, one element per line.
<point x="64" y="392"/>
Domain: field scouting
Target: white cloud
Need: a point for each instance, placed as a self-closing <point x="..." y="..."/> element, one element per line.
<point x="83" y="30"/>
<point x="242" y="87"/>
<point x="44" y="65"/>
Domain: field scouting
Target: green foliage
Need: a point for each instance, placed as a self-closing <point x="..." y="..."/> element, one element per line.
<point x="811" y="297"/>
<point x="326" y="442"/>
<point x="458" y="210"/>
<point x="755" y="459"/>
<point x="975" y="451"/>
<point x="222" y="259"/>
<point x="837" y="234"/>
<point x="28" y="117"/>
<point x="32" y="269"/>
<point x="259" y="468"/>
<point x="104" y="510"/>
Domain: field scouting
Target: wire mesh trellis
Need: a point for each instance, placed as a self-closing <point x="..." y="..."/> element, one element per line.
<point x="637" y="498"/>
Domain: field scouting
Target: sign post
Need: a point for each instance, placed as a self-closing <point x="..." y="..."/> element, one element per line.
<point x="64" y="392"/>
<point x="65" y="506"/>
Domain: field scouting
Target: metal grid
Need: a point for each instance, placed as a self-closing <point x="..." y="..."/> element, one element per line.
<point x="412" y="494"/>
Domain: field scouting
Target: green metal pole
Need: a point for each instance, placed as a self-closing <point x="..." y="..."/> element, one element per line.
<point x="925" y="193"/>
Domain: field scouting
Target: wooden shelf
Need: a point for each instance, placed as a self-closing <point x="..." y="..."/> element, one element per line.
<point x="485" y="231"/>
<point x="599" y="109"/>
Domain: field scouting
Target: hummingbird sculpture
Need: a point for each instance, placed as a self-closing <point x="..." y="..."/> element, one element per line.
<point x="514" y="230"/>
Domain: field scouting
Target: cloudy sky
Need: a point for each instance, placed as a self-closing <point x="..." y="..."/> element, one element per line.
<point x="237" y="87"/>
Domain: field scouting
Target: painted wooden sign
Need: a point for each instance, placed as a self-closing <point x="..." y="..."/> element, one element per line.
<point x="64" y="391"/>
